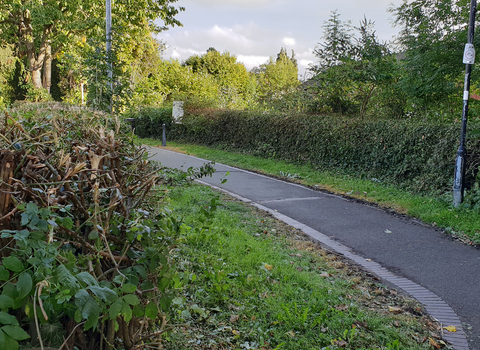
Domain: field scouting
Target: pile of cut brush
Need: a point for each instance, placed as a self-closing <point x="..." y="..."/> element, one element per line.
<point x="84" y="255"/>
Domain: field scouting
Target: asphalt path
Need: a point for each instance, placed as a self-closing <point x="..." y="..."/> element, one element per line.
<point x="409" y="249"/>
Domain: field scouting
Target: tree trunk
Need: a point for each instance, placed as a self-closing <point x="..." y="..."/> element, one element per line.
<point x="35" y="60"/>
<point x="7" y="163"/>
<point x="47" y="68"/>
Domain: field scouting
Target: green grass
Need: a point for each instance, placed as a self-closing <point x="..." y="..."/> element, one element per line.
<point x="247" y="286"/>
<point x="463" y="222"/>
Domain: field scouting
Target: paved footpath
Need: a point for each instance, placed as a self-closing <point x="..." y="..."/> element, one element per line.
<point x="442" y="274"/>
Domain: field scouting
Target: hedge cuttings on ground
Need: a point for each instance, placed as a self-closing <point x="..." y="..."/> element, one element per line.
<point x="418" y="156"/>
<point x="84" y="255"/>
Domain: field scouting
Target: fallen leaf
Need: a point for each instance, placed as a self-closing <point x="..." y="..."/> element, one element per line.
<point x="388" y="231"/>
<point x="234" y="318"/>
<point x="235" y="332"/>
<point x="340" y="343"/>
<point x="269" y="267"/>
<point x="291" y="333"/>
<point x="341" y="307"/>
<point x="396" y="324"/>
<point x="299" y="268"/>
<point x="325" y="274"/>
<point x="395" y="310"/>
<point x="434" y="343"/>
<point x="451" y="328"/>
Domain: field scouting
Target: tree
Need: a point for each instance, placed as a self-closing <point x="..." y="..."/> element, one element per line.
<point x="237" y="87"/>
<point x="277" y="77"/>
<point x="351" y="68"/>
<point x="433" y="34"/>
<point x="332" y="72"/>
<point x="42" y="28"/>
<point x="7" y="69"/>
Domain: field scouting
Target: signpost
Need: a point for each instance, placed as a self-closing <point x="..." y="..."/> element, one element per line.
<point x="469" y="60"/>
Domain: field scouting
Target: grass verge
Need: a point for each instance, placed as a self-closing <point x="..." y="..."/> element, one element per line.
<point x="252" y="282"/>
<point x="463" y="223"/>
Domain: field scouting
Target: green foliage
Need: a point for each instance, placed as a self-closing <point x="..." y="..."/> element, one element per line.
<point x="277" y="77"/>
<point x="236" y="86"/>
<point x="247" y="287"/>
<point x="419" y="156"/>
<point x="149" y="120"/>
<point x="7" y="70"/>
<point x="432" y="36"/>
<point x="352" y="70"/>
<point x="86" y="255"/>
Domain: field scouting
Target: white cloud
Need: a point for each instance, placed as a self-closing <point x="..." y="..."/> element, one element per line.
<point x="289" y="41"/>
<point x="252" y="61"/>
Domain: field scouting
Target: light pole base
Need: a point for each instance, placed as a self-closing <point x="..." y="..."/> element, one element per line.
<point x="457" y="198"/>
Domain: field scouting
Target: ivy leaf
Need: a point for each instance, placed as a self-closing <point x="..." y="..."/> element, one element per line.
<point x="13" y="263"/>
<point x="131" y="299"/>
<point x="6" y="302"/>
<point x="24" y="285"/>
<point x="8" y="319"/>
<point x="15" y="332"/>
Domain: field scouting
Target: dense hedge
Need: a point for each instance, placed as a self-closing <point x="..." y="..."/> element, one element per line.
<point x="418" y="156"/>
<point x="149" y="120"/>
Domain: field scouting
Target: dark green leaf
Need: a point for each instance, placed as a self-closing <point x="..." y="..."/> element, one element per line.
<point x="115" y="309"/>
<point x="128" y="288"/>
<point x="24" y="285"/>
<point x="8" y="319"/>
<point x="4" y="274"/>
<point x="15" y="332"/>
<point x="131" y="299"/>
<point x="13" y="263"/>
<point x="103" y="293"/>
<point x="7" y="342"/>
<point x="126" y="312"/>
<point x="6" y="302"/>
<point x="87" y="278"/>
<point x="151" y="310"/>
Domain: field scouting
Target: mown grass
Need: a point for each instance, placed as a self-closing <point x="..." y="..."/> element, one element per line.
<point x="463" y="222"/>
<point x="252" y="282"/>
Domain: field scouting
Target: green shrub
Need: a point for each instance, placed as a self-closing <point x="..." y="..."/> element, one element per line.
<point x="419" y="156"/>
<point x="149" y="120"/>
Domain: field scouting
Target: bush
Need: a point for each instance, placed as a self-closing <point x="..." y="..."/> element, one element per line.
<point x="149" y="120"/>
<point x="84" y="257"/>
<point x="416" y="155"/>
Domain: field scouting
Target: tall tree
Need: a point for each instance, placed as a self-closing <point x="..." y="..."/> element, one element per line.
<point x="42" y="28"/>
<point x="277" y="77"/>
<point x="237" y="87"/>
<point x="433" y="34"/>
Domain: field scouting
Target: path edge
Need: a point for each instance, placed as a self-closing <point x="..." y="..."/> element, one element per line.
<point x="435" y="306"/>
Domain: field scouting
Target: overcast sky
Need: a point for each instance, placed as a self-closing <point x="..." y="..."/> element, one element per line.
<point x="255" y="30"/>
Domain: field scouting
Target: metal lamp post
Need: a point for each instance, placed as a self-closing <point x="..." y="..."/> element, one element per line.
<point x="469" y="60"/>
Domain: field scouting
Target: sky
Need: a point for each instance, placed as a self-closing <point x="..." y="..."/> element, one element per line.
<point x="255" y="30"/>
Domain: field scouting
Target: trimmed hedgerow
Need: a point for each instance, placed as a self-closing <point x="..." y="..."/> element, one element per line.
<point x="149" y="120"/>
<point x="416" y="155"/>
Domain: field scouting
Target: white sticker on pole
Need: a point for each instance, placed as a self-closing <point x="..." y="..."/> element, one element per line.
<point x="466" y="95"/>
<point x="469" y="54"/>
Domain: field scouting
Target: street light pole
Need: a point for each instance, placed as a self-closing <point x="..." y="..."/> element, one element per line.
<point x="469" y="60"/>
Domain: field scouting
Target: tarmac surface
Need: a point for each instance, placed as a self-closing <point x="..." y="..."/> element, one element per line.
<point x="440" y="272"/>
